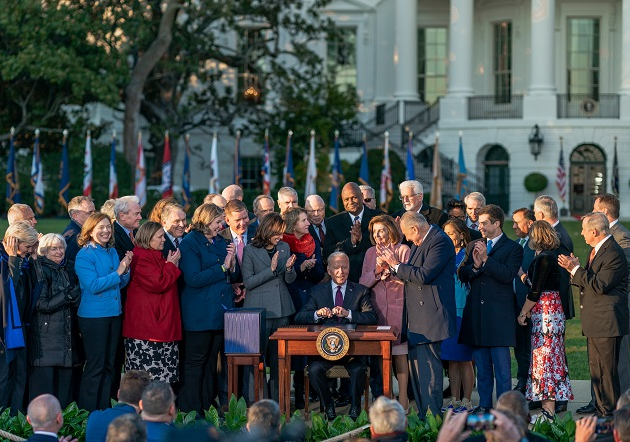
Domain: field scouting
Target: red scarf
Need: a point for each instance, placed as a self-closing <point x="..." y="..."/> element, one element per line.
<point x="305" y="245"/>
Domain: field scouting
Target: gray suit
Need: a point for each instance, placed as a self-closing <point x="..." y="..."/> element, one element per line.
<point x="622" y="236"/>
<point x="268" y="290"/>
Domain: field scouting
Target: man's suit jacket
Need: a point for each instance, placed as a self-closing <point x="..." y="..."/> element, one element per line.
<point x="474" y="234"/>
<point x="315" y="234"/>
<point x="169" y="246"/>
<point x="70" y="234"/>
<point x="42" y="438"/>
<point x="357" y="299"/>
<point x="521" y="289"/>
<point x="430" y="289"/>
<point x="122" y="242"/>
<point x="432" y="214"/>
<point x="622" y="236"/>
<point x="488" y="318"/>
<point x="338" y="238"/>
<point x="603" y="288"/>
<point x="566" y="293"/>
<point x="99" y="420"/>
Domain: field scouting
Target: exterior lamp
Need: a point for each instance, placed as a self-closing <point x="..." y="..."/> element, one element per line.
<point x="535" y="141"/>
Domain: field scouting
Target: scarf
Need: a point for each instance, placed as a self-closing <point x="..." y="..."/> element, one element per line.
<point x="305" y="245"/>
<point x="12" y="323"/>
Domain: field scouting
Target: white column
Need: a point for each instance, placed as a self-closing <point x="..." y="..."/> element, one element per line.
<point x="625" y="48"/>
<point x="460" y="39"/>
<point x="542" y="60"/>
<point x="406" y="50"/>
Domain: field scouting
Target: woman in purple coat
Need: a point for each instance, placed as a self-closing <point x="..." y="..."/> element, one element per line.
<point x="388" y="292"/>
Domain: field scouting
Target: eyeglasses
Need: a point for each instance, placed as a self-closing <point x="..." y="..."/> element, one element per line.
<point x="367" y="200"/>
<point x="404" y="197"/>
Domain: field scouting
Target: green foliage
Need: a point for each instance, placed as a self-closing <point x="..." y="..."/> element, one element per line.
<point x="74" y="421"/>
<point x="559" y="430"/>
<point x="535" y="182"/>
<point x="236" y="417"/>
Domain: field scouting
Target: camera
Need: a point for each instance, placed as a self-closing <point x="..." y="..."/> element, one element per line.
<point x="604" y="425"/>
<point x="480" y="422"/>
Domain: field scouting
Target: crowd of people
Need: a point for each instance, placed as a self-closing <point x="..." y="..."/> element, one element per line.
<point x="109" y="293"/>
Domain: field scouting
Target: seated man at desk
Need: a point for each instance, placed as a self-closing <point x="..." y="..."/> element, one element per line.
<point x="337" y="303"/>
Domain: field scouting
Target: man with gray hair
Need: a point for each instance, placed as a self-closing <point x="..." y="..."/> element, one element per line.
<point x="44" y="415"/>
<point x="262" y="205"/>
<point x="158" y="410"/>
<point x="263" y="421"/>
<point x="387" y="420"/>
<point x="128" y="215"/>
<point x="369" y="196"/>
<point x="127" y="428"/>
<point x="603" y="285"/>
<point x="475" y="201"/>
<point x="411" y="195"/>
<point x="287" y="198"/>
<point x="79" y="209"/>
<point x="316" y="213"/>
<point x="21" y="212"/>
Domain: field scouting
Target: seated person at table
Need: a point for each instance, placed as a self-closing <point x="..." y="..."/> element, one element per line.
<point x="337" y="303"/>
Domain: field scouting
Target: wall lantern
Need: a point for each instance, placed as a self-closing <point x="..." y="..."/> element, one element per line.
<point x="535" y="141"/>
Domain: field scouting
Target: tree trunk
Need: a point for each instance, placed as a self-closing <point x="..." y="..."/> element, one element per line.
<point x="142" y="69"/>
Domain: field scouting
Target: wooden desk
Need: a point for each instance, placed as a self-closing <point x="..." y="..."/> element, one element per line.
<point x="299" y="340"/>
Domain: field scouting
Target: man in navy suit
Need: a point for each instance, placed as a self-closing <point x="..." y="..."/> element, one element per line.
<point x="173" y="219"/>
<point x="44" y="415"/>
<point x="79" y="209"/>
<point x="336" y="303"/>
<point x="488" y="324"/>
<point x="429" y="314"/>
<point x="316" y="212"/>
<point x="240" y="233"/>
<point x="522" y="220"/>
<point x="262" y="205"/>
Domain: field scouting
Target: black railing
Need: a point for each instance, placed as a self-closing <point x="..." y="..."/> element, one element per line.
<point x="489" y="108"/>
<point x="384" y="116"/>
<point x="422" y="121"/>
<point x="585" y="106"/>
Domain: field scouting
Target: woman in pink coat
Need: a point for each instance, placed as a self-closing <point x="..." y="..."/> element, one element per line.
<point x="388" y="297"/>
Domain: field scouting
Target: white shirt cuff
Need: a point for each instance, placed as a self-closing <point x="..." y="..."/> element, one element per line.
<point x="350" y="315"/>
<point x="574" y="270"/>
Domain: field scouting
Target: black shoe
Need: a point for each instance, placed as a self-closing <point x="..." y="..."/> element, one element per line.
<point x="520" y="387"/>
<point x="313" y="396"/>
<point x="355" y="411"/>
<point x="561" y="407"/>
<point x="481" y="410"/>
<point x="535" y="405"/>
<point x="342" y="401"/>
<point x="586" y="409"/>
<point x="330" y="412"/>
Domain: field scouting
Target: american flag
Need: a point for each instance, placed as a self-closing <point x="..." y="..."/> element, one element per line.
<point x="561" y="176"/>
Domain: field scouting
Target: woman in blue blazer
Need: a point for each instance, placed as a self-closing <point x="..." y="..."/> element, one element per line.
<point x="101" y="276"/>
<point x="208" y="265"/>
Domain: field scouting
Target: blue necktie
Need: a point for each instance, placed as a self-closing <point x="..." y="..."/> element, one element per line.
<point x="489" y="246"/>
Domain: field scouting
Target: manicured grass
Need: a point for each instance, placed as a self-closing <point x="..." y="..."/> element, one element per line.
<point x="44" y="225"/>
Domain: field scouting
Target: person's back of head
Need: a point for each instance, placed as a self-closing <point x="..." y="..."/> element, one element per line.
<point x="127" y="428"/>
<point x="519" y="422"/>
<point x="44" y="413"/>
<point x="263" y="420"/>
<point x="624" y="399"/>
<point x="622" y="424"/>
<point x="514" y="401"/>
<point x="132" y="385"/>
<point x="158" y="402"/>
<point x="387" y="416"/>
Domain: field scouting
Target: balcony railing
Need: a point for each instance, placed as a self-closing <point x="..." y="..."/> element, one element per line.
<point x="585" y="106"/>
<point x="487" y="108"/>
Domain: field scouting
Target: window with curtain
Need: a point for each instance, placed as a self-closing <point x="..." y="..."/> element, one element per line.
<point x="341" y="57"/>
<point x="432" y="63"/>
<point x="583" y="64"/>
<point x="502" y="62"/>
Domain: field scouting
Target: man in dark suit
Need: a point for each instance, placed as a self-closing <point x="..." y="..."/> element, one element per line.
<point x="79" y="209"/>
<point x="430" y="312"/>
<point x="490" y="266"/>
<point x="316" y="212"/>
<point x="603" y="285"/>
<point x="475" y="201"/>
<point x="411" y="195"/>
<point x="44" y="415"/>
<point x="173" y="220"/>
<point x="128" y="215"/>
<point x="546" y="208"/>
<point x="262" y="205"/>
<point x="240" y="233"/>
<point x="336" y="303"/>
<point x="235" y="192"/>
<point x="348" y="231"/>
<point x="522" y="220"/>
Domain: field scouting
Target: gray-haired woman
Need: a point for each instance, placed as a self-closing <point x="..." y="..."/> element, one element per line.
<point x="52" y="341"/>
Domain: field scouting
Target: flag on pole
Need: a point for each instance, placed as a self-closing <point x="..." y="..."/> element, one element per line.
<point x="113" y="176"/>
<point x="436" y="189"/>
<point x="13" y="184"/>
<point x="387" y="190"/>
<point x="411" y="173"/>
<point x="462" y="183"/>
<point x="87" y="166"/>
<point x="64" y="173"/>
<point x="140" y="188"/>
<point x="214" y="167"/>
<point x="37" y="177"/>
<point x="266" y="167"/>
<point x="167" y="168"/>
<point x="364" y="173"/>
<point x="311" y="169"/>
<point x="238" y="167"/>
<point x="615" y="173"/>
<point x="287" y="172"/>
<point x="186" y="176"/>
<point x="561" y="175"/>
<point x="336" y="177"/>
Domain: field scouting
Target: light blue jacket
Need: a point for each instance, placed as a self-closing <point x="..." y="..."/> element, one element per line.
<point x="100" y="283"/>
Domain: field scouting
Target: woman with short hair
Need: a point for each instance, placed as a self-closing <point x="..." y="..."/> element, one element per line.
<point x="152" y="326"/>
<point x="101" y="276"/>
<point x="208" y="266"/>
<point x="53" y="342"/>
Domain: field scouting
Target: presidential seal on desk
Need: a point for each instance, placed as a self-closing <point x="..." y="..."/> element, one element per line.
<point x="332" y="343"/>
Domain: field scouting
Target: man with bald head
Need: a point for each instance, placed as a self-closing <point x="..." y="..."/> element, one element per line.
<point x="232" y="192"/>
<point x="44" y="415"/>
<point x="315" y="213"/>
<point x="21" y="212"/>
<point x="348" y="231"/>
<point x="216" y="199"/>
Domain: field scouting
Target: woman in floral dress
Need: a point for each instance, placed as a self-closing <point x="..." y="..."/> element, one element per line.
<point x="548" y="372"/>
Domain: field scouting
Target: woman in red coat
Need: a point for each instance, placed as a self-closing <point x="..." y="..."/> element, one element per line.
<point x="152" y="324"/>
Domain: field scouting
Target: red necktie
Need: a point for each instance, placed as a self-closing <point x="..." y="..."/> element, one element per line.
<point x="131" y="236"/>
<point x="239" y="248"/>
<point x="590" y="257"/>
<point x="322" y="235"/>
<point x="339" y="300"/>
